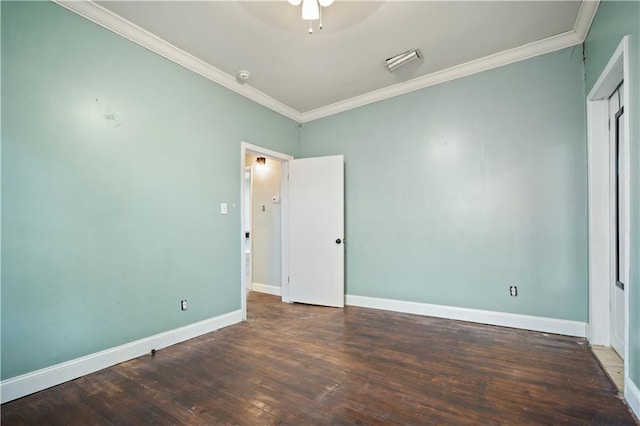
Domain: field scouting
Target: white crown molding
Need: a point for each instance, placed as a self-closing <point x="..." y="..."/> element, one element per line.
<point x="581" y="27"/>
<point x="125" y="28"/>
<point x="38" y="380"/>
<point x="506" y="57"/>
<point x="109" y="20"/>
<point x="503" y="319"/>
<point x="585" y="17"/>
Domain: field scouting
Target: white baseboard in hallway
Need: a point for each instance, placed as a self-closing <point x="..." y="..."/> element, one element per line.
<point x="266" y="288"/>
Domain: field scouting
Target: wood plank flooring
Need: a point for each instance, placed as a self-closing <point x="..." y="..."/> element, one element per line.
<point x="302" y="365"/>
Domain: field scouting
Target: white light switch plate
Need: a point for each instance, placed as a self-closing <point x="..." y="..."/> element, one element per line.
<point x="223" y="208"/>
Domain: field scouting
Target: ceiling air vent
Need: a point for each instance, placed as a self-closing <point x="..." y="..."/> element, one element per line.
<point x="401" y="59"/>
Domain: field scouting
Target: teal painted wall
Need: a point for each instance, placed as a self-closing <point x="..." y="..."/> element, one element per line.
<point x="612" y="22"/>
<point x="114" y="164"/>
<point x="455" y="192"/>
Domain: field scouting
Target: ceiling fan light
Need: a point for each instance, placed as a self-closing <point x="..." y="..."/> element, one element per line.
<point x="310" y="10"/>
<point x="294" y="2"/>
<point x="325" y="3"/>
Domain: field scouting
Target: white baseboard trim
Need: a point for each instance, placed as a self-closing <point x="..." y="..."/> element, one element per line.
<point x="632" y="395"/>
<point x="527" y="322"/>
<point x="266" y="288"/>
<point x="17" y="387"/>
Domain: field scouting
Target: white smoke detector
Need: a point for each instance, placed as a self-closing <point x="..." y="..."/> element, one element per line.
<point x="243" y="75"/>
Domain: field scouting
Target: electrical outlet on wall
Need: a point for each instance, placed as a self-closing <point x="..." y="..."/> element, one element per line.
<point x="183" y="305"/>
<point x="513" y="290"/>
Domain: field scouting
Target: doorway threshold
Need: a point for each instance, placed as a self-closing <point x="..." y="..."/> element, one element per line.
<point x="612" y="364"/>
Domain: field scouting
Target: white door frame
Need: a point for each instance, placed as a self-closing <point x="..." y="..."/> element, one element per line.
<point x="601" y="235"/>
<point x="247" y="148"/>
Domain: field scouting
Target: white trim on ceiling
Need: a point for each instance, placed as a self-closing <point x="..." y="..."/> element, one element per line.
<point x="551" y="44"/>
<point x="130" y="31"/>
<point x="517" y="54"/>
<point x="109" y="20"/>
<point x="585" y="17"/>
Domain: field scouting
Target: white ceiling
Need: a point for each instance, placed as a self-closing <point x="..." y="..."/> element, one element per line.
<point x="306" y="76"/>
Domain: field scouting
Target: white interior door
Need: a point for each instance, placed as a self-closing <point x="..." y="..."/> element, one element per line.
<point x="620" y="217"/>
<point x="316" y="231"/>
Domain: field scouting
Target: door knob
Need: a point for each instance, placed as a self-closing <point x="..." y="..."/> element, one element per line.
<point x="338" y="241"/>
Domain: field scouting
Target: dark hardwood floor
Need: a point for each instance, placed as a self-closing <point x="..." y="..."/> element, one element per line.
<point x="302" y="365"/>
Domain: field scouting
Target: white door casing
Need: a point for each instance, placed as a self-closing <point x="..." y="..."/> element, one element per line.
<point x="601" y="239"/>
<point x="316" y="230"/>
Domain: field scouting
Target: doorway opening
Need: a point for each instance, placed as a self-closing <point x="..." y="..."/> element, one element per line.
<point x="264" y="206"/>
<point x="311" y="218"/>
<point x="262" y="224"/>
<point x="609" y="226"/>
